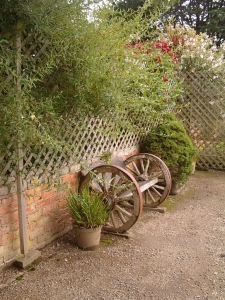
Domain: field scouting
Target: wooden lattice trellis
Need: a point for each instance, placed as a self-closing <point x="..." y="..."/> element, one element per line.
<point x="86" y="138"/>
<point x="204" y="117"/>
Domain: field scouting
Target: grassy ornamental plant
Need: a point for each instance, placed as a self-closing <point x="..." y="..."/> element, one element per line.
<point x="87" y="208"/>
<point x="170" y="142"/>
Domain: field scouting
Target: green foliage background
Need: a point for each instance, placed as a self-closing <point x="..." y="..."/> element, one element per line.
<point x="85" y="69"/>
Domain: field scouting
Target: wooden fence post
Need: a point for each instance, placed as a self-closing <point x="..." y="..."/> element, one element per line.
<point x="28" y="257"/>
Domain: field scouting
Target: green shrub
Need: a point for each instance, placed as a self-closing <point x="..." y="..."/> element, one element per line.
<point x="171" y="143"/>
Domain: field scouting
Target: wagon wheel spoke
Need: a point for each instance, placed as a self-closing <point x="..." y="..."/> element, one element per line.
<point x="150" y="167"/>
<point x="133" y="170"/>
<point x="96" y="187"/>
<point x="112" y="218"/>
<point x="146" y="167"/>
<point x="156" y="191"/>
<point x="113" y="182"/>
<point x="123" y="211"/>
<point x="97" y="183"/>
<point x="122" y="193"/>
<point x="104" y="182"/>
<point x="151" y="196"/>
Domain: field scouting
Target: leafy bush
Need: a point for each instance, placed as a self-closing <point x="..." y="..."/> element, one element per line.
<point x="85" y="68"/>
<point x="170" y="142"/>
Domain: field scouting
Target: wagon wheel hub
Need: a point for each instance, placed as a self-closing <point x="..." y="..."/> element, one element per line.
<point x="109" y="200"/>
<point x="142" y="177"/>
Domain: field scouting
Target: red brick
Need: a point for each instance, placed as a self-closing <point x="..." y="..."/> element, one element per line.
<point x="29" y="193"/>
<point x="35" y="233"/>
<point x="9" y="218"/>
<point x="33" y="199"/>
<point x="56" y="198"/>
<point x="4" y="210"/>
<point x="4" y="230"/>
<point x="68" y="222"/>
<point x="57" y="228"/>
<point x="14" y="225"/>
<point x="43" y="202"/>
<point x="7" y="238"/>
<point x="50" y="225"/>
<point x="54" y="215"/>
<point x="48" y="194"/>
<point x="63" y="218"/>
<point x="16" y="233"/>
<point x="49" y="208"/>
<point x="9" y="200"/>
<point x="34" y="217"/>
<point x="74" y="182"/>
<point x="30" y="209"/>
<point x="64" y="210"/>
<point x="68" y="177"/>
<point x="14" y="206"/>
<point x="30" y="226"/>
<point x="14" y="216"/>
<point x="62" y="203"/>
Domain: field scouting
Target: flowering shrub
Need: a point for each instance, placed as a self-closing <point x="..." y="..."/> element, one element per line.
<point x="196" y="51"/>
<point x="161" y="55"/>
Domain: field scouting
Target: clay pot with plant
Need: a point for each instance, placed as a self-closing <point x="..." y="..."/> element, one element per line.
<point x="89" y="213"/>
<point x="170" y="142"/>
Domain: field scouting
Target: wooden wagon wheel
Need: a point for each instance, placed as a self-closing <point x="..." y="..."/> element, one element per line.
<point x="153" y="177"/>
<point x="122" y="193"/>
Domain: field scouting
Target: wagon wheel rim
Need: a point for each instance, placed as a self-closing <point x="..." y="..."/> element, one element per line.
<point x="152" y="170"/>
<point x="122" y="193"/>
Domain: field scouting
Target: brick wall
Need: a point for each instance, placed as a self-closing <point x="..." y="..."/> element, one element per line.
<point x="47" y="218"/>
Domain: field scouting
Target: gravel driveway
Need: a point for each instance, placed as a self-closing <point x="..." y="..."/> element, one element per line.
<point x="177" y="255"/>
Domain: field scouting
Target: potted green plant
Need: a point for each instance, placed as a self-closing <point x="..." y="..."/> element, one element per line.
<point x="171" y="143"/>
<point x="89" y="213"/>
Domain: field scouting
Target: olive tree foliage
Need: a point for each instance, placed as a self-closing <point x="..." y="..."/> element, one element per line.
<point x="86" y="68"/>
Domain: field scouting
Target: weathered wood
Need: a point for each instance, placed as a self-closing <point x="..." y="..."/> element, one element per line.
<point x="20" y="194"/>
<point x="152" y="175"/>
<point x="143" y="185"/>
<point x="126" y="235"/>
<point x="118" y="188"/>
<point x="156" y="209"/>
<point x="204" y="117"/>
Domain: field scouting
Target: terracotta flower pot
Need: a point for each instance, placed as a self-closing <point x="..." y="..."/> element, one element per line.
<point x="87" y="238"/>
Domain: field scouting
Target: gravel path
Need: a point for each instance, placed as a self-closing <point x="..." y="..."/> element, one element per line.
<point x="177" y="255"/>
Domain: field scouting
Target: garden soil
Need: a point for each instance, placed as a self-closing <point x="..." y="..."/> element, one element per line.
<point x="178" y="255"/>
